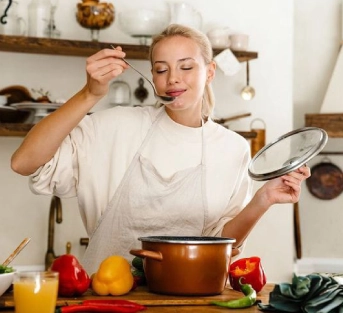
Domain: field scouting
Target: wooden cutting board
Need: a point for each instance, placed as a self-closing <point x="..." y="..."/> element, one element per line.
<point x="142" y="296"/>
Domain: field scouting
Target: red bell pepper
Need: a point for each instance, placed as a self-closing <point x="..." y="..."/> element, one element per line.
<point x="251" y="271"/>
<point x="73" y="279"/>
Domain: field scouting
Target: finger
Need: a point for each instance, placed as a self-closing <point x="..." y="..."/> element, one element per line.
<point x="235" y="251"/>
<point x="106" y="68"/>
<point x="301" y="173"/>
<point x="294" y="184"/>
<point x="305" y="170"/>
<point x="117" y="48"/>
<point x="294" y="177"/>
<point x="105" y="57"/>
<point x="100" y="69"/>
<point x="108" y="52"/>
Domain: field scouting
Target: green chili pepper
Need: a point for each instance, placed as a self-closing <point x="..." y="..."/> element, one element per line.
<point x="248" y="300"/>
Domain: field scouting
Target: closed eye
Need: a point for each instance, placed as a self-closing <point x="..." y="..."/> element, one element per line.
<point x="187" y="68"/>
<point x="161" y="71"/>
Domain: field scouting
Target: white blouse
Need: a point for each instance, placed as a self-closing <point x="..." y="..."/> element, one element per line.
<point x="92" y="160"/>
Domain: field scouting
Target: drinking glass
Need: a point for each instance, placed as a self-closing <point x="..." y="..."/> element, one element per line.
<point x="35" y="292"/>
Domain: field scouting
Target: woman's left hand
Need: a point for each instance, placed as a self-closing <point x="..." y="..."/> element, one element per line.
<point x="287" y="188"/>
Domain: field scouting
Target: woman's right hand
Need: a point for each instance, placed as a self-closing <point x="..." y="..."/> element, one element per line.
<point x="101" y="68"/>
<point x="43" y="140"/>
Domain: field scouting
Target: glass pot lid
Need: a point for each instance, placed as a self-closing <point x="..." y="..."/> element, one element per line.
<point x="287" y="153"/>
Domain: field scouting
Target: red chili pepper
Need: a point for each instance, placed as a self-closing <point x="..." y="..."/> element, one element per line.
<point x="117" y="306"/>
<point x="96" y="308"/>
<point x="116" y="302"/>
<point x="251" y="271"/>
<point x="73" y="279"/>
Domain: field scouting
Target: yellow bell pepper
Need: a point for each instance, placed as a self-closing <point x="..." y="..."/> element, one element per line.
<point x="113" y="277"/>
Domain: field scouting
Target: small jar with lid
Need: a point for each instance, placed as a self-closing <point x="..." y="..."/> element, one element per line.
<point x="119" y="93"/>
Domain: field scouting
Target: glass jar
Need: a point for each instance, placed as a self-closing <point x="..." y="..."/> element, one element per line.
<point x="95" y="16"/>
<point x="39" y="15"/>
<point x="119" y="93"/>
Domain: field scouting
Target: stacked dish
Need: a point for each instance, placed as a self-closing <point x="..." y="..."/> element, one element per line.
<point x="37" y="110"/>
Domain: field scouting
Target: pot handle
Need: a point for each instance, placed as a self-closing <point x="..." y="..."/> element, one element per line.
<point x="155" y="255"/>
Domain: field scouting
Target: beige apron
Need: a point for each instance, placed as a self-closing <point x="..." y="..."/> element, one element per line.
<point x="146" y="204"/>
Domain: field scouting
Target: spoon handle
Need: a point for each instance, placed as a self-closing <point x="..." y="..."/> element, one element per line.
<point x="129" y="64"/>
<point x="146" y="78"/>
<point x="16" y="251"/>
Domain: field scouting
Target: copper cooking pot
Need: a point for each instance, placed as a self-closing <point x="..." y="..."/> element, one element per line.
<point x="185" y="265"/>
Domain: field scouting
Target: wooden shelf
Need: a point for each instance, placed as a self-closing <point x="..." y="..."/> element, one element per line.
<point x="20" y="130"/>
<point x="15" y="129"/>
<point x="49" y="46"/>
<point x="34" y="45"/>
<point x="330" y="122"/>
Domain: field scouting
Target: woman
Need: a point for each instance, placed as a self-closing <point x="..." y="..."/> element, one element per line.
<point x="168" y="170"/>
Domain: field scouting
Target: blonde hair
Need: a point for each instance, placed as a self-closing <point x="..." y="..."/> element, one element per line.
<point x="206" y="51"/>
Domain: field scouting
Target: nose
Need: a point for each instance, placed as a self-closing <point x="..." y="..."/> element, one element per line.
<point x="173" y="77"/>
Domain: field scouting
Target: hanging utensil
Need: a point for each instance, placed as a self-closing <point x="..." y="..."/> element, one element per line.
<point x="248" y="92"/>
<point x="16" y="251"/>
<point x="259" y="141"/>
<point x="326" y="181"/>
<point x="4" y="16"/>
<point x="297" y="232"/>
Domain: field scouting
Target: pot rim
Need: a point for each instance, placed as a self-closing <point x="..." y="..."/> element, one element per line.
<point x="205" y="240"/>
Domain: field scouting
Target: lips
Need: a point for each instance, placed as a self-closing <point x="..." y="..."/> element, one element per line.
<point x="175" y="93"/>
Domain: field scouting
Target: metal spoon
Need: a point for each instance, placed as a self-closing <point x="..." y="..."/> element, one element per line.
<point x="248" y="92"/>
<point x="16" y="251"/>
<point x="162" y="99"/>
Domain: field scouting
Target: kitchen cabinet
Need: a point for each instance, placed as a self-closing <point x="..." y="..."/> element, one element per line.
<point x="34" y="45"/>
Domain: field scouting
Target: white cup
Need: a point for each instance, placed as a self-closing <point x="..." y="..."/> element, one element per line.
<point x="219" y="37"/>
<point x="239" y="42"/>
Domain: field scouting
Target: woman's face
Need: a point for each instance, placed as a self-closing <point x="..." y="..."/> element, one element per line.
<point x="179" y="70"/>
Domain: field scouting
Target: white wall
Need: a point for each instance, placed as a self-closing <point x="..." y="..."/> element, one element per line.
<point x="270" y="26"/>
<point x="318" y="35"/>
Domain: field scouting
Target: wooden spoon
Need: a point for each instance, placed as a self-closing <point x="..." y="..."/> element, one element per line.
<point x="16" y="251"/>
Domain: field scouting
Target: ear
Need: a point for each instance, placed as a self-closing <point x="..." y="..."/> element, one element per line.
<point x="211" y="71"/>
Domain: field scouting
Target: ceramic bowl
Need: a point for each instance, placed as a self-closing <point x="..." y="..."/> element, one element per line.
<point x="239" y="42"/>
<point x="219" y="37"/>
<point x="219" y="42"/>
<point x="143" y="22"/>
<point x="5" y="282"/>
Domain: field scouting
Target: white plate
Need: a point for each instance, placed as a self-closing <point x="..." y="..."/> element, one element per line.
<point x="36" y="106"/>
<point x="7" y="108"/>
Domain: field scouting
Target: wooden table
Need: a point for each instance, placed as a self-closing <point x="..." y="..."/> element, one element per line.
<point x="161" y="303"/>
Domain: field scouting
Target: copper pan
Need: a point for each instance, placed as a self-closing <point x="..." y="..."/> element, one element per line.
<point x="326" y="181"/>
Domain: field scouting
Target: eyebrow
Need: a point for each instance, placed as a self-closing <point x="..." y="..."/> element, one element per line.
<point x="180" y="60"/>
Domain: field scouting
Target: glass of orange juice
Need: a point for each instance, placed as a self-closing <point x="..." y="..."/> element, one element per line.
<point x="35" y="292"/>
